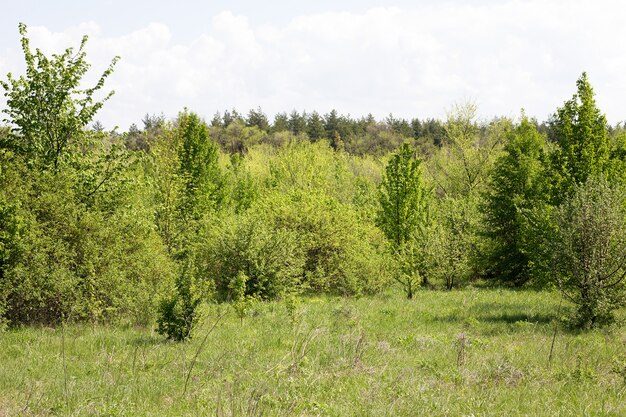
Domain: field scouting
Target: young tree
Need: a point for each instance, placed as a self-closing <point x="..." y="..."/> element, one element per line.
<point x="47" y="110"/>
<point x="581" y="131"/>
<point x="588" y="250"/>
<point x="517" y="186"/>
<point x="460" y="170"/>
<point x="199" y="168"/>
<point x="402" y="215"/>
<point x="190" y="189"/>
<point x="462" y="167"/>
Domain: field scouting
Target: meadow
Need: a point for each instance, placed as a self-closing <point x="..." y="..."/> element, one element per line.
<point x="469" y="352"/>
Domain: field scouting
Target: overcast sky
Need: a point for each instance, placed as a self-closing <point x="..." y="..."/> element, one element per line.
<point x="409" y="58"/>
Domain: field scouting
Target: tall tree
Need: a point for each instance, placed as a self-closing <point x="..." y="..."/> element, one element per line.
<point x="517" y="186"/>
<point x="199" y="167"/>
<point x="191" y="189"/>
<point x="581" y="131"/>
<point x="46" y="109"/>
<point x="259" y="119"/>
<point x="280" y="122"/>
<point x="402" y="214"/>
<point x="297" y="122"/>
<point x="315" y="127"/>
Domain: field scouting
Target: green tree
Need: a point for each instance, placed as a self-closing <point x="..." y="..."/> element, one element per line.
<point x="403" y="213"/>
<point x="46" y="108"/>
<point x="517" y="186"/>
<point x="258" y="119"/>
<point x="462" y="167"/>
<point x="315" y="127"/>
<point x="448" y="260"/>
<point x="581" y="131"/>
<point x="190" y="190"/>
<point x="588" y="250"/>
<point x="281" y="123"/>
<point x="199" y="168"/>
<point x="296" y="122"/>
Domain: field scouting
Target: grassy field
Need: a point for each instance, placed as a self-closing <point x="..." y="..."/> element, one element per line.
<point x="470" y="352"/>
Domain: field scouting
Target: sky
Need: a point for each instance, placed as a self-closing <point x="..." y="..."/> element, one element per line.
<point x="409" y="58"/>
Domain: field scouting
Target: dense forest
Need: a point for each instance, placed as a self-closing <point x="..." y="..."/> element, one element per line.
<point x="144" y="226"/>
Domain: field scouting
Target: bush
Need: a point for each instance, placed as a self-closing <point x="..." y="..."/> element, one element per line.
<point x="588" y="251"/>
<point x="297" y="242"/>
<point x="63" y="259"/>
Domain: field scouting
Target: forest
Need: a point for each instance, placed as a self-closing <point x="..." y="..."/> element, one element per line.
<point x="155" y="226"/>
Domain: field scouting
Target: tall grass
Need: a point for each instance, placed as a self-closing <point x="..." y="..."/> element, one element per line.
<point x="469" y="352"/>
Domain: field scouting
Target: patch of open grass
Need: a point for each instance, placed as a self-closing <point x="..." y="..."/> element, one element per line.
<point x="469" y="352"/>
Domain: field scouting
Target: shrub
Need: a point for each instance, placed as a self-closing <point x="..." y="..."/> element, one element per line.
<point x="588" y="251"/>
<point x="297" y="242"/>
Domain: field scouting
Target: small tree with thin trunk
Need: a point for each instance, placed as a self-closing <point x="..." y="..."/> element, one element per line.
<point x="402" y="214"/>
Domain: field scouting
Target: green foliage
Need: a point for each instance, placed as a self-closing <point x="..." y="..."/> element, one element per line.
<point x="518" y="185"/>
<point x="402" y="198"/>
<point x="242" y="303"/>
<point x="237" y="137"/>
<point x="47" y="109"/>
<point x="177" y="310"/>
<point x="198" y="170"/>
<point x="297" y="242"/>
<point x="588" y="251"/>
<point x="100" y="226"/>
<point x="77" y="237"/>
<point x="269" y="257"/>
<point x="403" y="214"/>
<point x="81" y="262"/>
<point x="189" y="189"/>
<point x="241" y="184"/>
<point x="450" y="243"/>
<point x="462" y="167"/>
<point x="581" y="131"/>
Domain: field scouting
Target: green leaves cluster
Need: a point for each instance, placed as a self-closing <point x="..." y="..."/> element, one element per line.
<point x="46" y="109"/>
<point x="588" y="251"/>
<point x="403" y="215"/>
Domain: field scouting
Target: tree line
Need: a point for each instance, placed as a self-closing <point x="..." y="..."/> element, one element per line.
<point x="145" y="226"/>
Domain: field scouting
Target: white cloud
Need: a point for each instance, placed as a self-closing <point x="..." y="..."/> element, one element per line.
<point x="410" y="61"/>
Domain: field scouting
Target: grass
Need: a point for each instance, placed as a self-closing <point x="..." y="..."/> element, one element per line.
<point x="469" y="352"/>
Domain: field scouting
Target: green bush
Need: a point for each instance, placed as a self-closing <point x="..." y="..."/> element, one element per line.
<point x="588" y="251"/>
<point x="298" y="241"/>
<point x="63" y="259"/>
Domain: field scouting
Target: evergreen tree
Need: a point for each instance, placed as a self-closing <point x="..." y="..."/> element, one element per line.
<point x="315" y="127"/>
<point x="297" y="122"/>
<point x="281" y="123"/>
<point x="581" y="131"/>
<point x="517" y="186"/>
<point x="259" y="119"/>
<point x="331" y="124"/>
